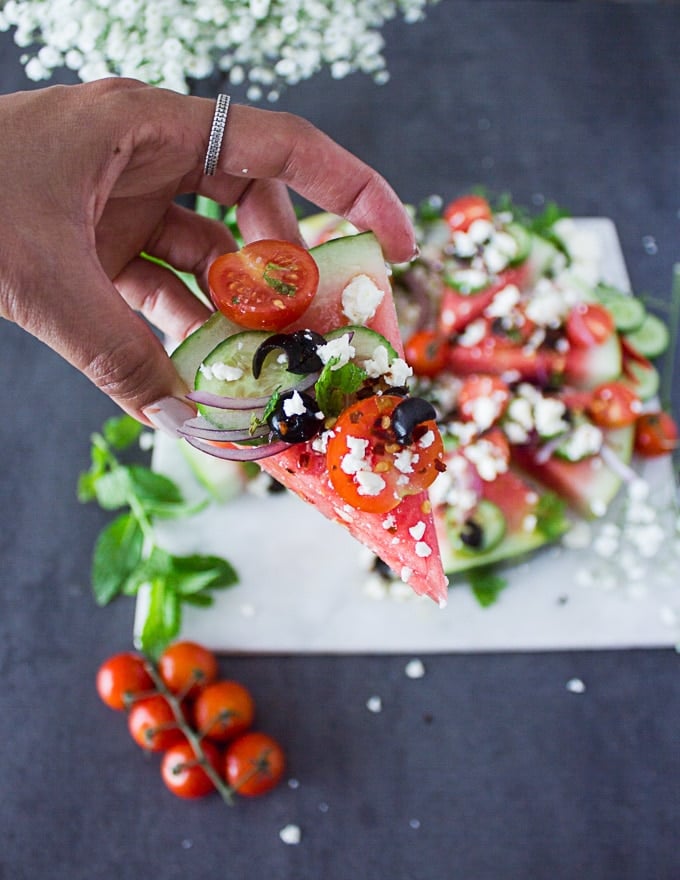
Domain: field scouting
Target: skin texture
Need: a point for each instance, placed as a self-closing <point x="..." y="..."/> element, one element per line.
<point x="89" y="177"/>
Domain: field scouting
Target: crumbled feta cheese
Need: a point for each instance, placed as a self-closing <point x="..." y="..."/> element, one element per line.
<point x="418" y="530"/>
<point x="423" y="549"/>
<point x="360" y="299"/>
<point x="494" y="259"/>
<point x="480" y="231"/>
<point x="390" y="522"/>
<point x="415" y="668"/>
<point x="484" y="411"/>
<point x="339" y="348"/>
<point x="406" y="574"/>
<point x="427" y="440"/>
<point x="399" y="373"/>
<point x="547" y="307"/>
<point x="222" y="372"/>
<point x="503" y="303"/>
<point x="463" y="245"/>
<point x="294" y="405"/>
<point x="290" y="834"/>
<point x="549" y="415"/>
<point x="369" y="483"/>
<point x="469" y="280"/>
<point x="320" y="442"/>
<point x="487" y="459"/>
<point x="355" y="459"/>
<point x="473" y="334"/>
<point x="584" y="440"/>
<point x="404" y="461"/>
<point x="378" y="364"/>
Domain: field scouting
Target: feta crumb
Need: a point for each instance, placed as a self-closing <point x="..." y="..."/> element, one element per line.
<point x="294" y="405"/>
<point x="374" y="704"/>
<point x="423" y="549"/>
<point x="576" y="686"/>
<point x="360" y="299"/>
<point x="427" y="440"/>
<point x="290" y="834"/>
<point x="480" y="231"/>
<point x="503" y="302"/>
<point x="417" y="531"/>
<point x="473" y="334"/>
<point x="369" y="483"/>
<point x="378" y="364"/>
<point x="339" y="349"/>
<point x="406" y="574"/>
<point x="404" y="461"/>
<point x="222" y="372"/>
<point x="389" y="522"/>
<point x="399" y="373"/>
<point x="414" y="668"/>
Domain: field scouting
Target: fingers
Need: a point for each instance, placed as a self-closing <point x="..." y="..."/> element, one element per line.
<point x="265" y="211"/>
<point x="267" y="145"/>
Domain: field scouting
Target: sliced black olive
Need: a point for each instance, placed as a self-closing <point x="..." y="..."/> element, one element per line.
<point x="472" y="534"/>
<point x="407" y="415"/>
<point x="295" y="427"/>
<point x="300" y="350"/>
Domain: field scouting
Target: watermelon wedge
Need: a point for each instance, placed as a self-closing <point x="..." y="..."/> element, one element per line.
<point x="405" y="538"/>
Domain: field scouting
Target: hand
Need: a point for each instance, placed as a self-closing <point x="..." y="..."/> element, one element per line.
<point x="89" y="178"/>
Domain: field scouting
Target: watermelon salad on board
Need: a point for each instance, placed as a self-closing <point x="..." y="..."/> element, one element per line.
<point x="457" y="414"/>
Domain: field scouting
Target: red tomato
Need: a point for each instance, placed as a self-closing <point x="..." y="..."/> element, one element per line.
<point x="613" y="405"/>
<point x="589" y="324"/>
<point x="254" y="764"/>
<point x="656" y="433"/>
<point x="425" y="351"/>
<point x="483" y="399"/>
<point x="186" y="667"/>
<point x="224" y="710"/>
<point x="462" y="212"/>
<point x="152" y="724"/>
<point x="264" y="286"/>
<point x="369" y="468"/>
<point x="121" y="679"/>
<point x="183" y="772"/>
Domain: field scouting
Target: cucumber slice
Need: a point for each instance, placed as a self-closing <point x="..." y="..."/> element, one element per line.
<point x="523" y="238"/>
<point x="651" y="338"/>
<point x="189" y="354"/>
<point x="364" y="341"/>
<point x="236" y="353"/>
<point x="481" y="532"/>
<point x="644" y="381"/>
<point x="627" y="311"/>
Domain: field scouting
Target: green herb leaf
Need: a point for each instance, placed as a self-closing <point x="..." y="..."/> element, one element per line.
<point x="197" y="572"/>
<point x="551" y="516"/>
<point x="334" y="386"/>
<point x="112" y="489"/>
<point x="120" y="432"/>
<point x="117" y="553"/>
<point x="486" y="585"/>
<point x="162" y="621"/>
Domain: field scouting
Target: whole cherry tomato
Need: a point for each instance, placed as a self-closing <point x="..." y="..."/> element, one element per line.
<point x="483" y="399"/>
<point x="122" y="678"/>
<point x="264" y="286"/>
<point x="186" y="667"/>
<point x="656" y="433"/>
<point x="613" y="405"/>
<point x="153" y="725"/>
<point x="425" y="351"/>
<point x="589" y="324"/>
<point x="184" y="774"/>
<point x="254" y="763"/>
<point x="369" y="468"/>
<point x="223" y="710"/>
<point x="462" y="212"/>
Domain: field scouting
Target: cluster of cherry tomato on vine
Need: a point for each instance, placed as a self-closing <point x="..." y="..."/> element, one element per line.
<point x="201" y="723"/>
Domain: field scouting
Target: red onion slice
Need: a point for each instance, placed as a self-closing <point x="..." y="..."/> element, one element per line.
<point x="614" y="463"/>
<point x="202" y="430"/>
<point x="239" y="453"/>
<point x="219" y="401"/>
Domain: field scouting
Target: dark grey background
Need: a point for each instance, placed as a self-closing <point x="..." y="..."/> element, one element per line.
<point x="509" y="775"/>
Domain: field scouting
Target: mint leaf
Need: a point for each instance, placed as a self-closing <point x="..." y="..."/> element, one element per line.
<point x="195" y="573"/>
<point x="162" y="621"/>
<point x="117" y="553"/>
<point x="334" y="386"/>
<point x="486" y="585"/>
<point x="112" y="489"/>
<point x="151" y="487"/>
<point x="551" y="519"/>
<point x="121" y="431"/>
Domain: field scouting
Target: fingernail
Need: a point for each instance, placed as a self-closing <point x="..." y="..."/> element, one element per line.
<point x="168" y="414"/>
<point x="416" y="253"/>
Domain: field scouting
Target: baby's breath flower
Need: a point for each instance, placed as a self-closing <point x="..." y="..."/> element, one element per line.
<point x="264" y="44"/>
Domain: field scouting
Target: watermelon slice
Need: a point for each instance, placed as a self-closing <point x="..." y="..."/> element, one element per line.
<point x="521" y="519"/>
<point x="405" y="538"/>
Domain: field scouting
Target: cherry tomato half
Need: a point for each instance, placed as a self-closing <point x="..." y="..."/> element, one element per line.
<point x="186" y="667"/>
<point x="368" y="468"/>
<point x="183" y="773"/>
<point x="589" y="324"/>
<point x="483" y="399"/>
<point x="153" y="725"/>
<point x="613" y="405"/>
<point x="121" y="679"/>
<point x="224" y="710"/>
<point x="425" y="351"/>
<point x="264" y="286"/>
<point x="254" y="764"/>
<point x="656" y="433"/>
<point x="462" y="212"/>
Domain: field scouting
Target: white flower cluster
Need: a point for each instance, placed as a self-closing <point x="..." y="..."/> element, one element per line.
<point x="263" y="44"/>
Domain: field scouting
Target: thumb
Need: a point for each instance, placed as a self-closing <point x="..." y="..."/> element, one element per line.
<point x="86" y="321"/>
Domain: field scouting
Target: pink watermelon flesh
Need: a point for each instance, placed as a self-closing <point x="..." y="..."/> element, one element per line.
<point x="304" y="471"/>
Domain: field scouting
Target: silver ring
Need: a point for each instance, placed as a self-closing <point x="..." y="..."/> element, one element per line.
<point x="216" y="134"/>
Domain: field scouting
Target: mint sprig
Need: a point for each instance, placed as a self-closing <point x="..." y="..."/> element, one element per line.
<point x="126" y="554"/>
<point x="336" y="384"/>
